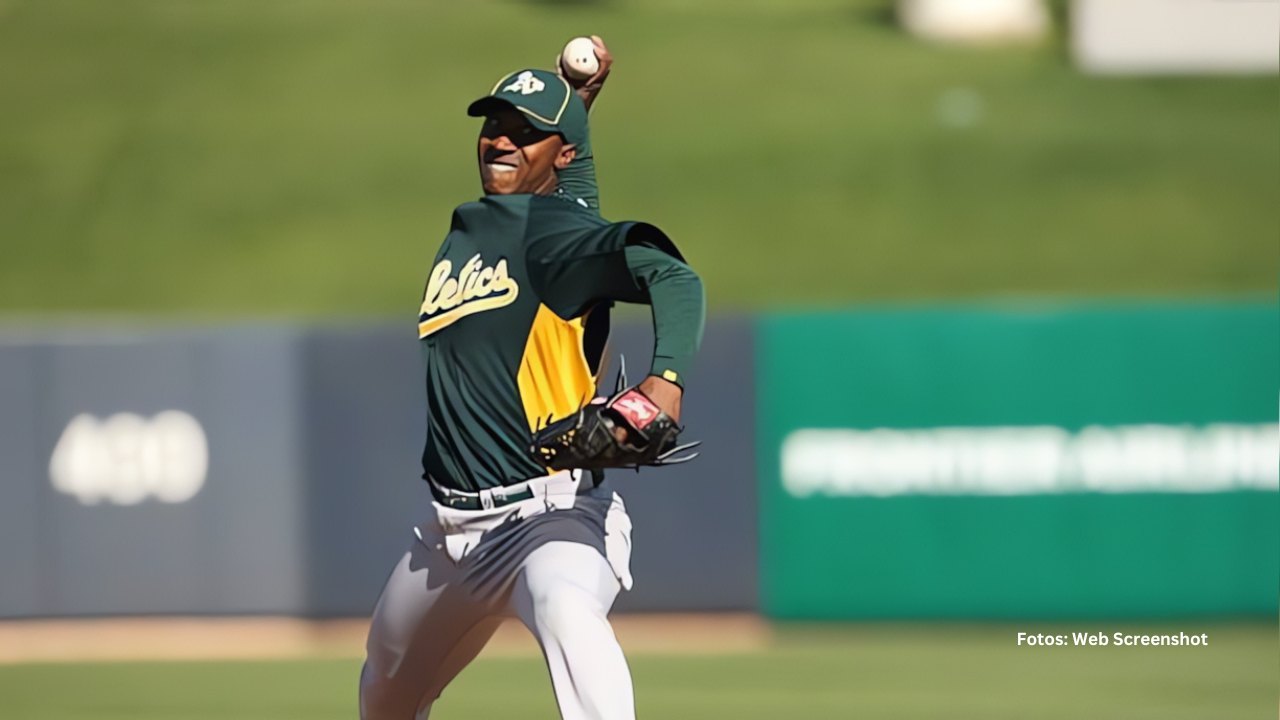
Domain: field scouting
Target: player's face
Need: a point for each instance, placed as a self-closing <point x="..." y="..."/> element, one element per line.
<point x="516" y="157"/>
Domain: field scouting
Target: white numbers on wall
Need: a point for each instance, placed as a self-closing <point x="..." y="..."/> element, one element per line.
<point x="126" y="459"/>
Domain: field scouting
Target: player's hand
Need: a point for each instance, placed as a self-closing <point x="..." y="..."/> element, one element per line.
<point x="664" y="393"/>
<point x="589" y="88"/>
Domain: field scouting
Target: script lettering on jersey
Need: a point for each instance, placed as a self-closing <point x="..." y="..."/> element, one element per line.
<point x="477" y="288"/>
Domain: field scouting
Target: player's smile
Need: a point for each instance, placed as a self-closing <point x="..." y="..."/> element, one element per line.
<point x="501" y="162"/>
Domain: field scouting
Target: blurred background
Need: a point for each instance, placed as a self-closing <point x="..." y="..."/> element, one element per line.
<point x="993" y="348"/>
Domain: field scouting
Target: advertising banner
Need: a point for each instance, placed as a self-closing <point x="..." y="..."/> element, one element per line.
<point x="1100" y="461"/>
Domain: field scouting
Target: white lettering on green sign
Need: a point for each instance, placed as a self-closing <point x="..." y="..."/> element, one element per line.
<point x="1031" y="460"/>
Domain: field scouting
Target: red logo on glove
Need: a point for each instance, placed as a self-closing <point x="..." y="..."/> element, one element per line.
<point x="635" y="408"/>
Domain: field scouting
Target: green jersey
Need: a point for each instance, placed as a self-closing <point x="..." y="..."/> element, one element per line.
<point x="513" y="326"/>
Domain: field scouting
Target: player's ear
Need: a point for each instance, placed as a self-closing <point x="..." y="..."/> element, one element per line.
<point x="566" y="156"/>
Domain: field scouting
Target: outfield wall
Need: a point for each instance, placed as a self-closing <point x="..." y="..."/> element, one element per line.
<point x="272" y="469"/>
<point x="1061" y="462"/>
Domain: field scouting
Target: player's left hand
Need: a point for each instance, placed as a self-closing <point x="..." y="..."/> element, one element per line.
<point x="589" y="88"/>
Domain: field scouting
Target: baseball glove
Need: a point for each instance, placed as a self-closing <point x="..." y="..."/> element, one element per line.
<point x="627" y="430"/>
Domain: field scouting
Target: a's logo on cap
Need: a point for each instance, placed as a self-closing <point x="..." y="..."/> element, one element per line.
<point x="526" y="84"/>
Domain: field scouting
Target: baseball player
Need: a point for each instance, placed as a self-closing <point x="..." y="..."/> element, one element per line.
<point x="513" y="326"/>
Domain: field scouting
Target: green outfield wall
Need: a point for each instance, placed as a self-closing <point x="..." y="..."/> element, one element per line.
<point x="1097" y="461"/>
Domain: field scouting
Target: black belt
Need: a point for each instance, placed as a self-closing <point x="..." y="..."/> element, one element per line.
<point x="461" y="500"/>
<point x="475" y="501"/>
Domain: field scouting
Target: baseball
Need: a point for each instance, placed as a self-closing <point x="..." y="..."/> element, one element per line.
<point x="579" y="58"/>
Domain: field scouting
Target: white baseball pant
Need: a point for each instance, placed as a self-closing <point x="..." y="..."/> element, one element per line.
<point x="556" y="561"/>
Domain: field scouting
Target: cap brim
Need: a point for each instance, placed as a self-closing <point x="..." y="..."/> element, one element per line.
<point x="489" y="104"/>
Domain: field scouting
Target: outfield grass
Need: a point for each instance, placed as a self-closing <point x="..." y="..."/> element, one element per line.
<point x="822" y="673"/>
<point x="235" y="156"/>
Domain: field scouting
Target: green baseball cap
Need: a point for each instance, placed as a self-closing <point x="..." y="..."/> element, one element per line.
<point x="544" y="97"/>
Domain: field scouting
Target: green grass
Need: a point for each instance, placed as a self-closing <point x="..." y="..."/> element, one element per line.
<point x="237" y="156"/>
<point x="887" y="672"/>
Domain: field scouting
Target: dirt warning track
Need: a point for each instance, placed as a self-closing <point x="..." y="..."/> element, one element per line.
<point x="262" y="638"/>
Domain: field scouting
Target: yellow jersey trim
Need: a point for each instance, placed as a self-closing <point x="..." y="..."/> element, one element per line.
<point x="554" y="378"/>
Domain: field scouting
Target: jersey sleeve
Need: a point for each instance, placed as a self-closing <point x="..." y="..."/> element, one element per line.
<point x="575" y="259"/>
<point x="679" y="306"/>
<point x="578" y="181"/>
